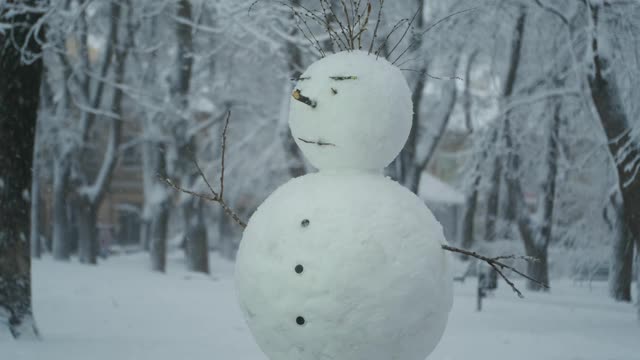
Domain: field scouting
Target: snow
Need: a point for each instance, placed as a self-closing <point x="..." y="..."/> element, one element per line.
<point x="121" y="310"/>
<point x="360" y="122"/>
<point x="432" y="189"/>
<point x="373" y="281"/>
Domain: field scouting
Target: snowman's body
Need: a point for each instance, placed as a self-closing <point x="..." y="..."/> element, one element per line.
<point x="346" y="264"/>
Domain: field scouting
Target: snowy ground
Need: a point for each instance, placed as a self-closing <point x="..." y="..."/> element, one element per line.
<point x="121" y="311"/>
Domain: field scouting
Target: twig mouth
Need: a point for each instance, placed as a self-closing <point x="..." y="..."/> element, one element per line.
<point x="297" y="94"/>
<point x="319" y="142"/>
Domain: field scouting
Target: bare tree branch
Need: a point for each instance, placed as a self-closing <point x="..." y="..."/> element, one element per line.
<point x="413" y="18"/>
<point x="222" y="156"/>
<point x="414" y="42"/>
<point x="384" y="42"/>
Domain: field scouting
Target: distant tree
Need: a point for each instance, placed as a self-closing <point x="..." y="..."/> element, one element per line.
<point x="89" y="191"/>
<point x="622" y="141"/>
<point x="20" y="74"/>
<point x="194" y="229"/>
<point x="414" y="158"/>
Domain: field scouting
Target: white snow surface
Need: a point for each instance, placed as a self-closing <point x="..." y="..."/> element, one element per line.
<point x="357" y="123"/>
<point x="374" y="282"/>
<point x="121" y="310"/>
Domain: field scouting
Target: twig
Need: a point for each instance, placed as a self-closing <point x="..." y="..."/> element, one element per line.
<point x="506" y="279"/>
<point x="217" y="195"/>
<point x="342" y="29"/>
<point x="349" y="27"/>
<point x="168" y="181"/>
<point x="384" y="42"/>
<point x="224" y="150"/>
<point x="317" y="44"/>
<point x="193" y="159"/>
<point x="413" y="18"/>
<point x="363" y="26"/>
<point x="327" y="23"/>
<point x="375" y="30"/>
<point x="499" y="266"/>
<point x="412" y="43"/>
<point x="297" y="17"/>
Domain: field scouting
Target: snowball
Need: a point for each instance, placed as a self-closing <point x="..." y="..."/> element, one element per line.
<point x="344" y="266"/>
<point x="352" y="111"/>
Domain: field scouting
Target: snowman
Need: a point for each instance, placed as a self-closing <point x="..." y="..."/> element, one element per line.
<point x="344" y="263"/>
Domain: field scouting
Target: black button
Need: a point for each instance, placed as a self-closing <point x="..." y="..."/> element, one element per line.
<point x="300" y="320"/>
<point x="305" y="223"/>
<point x="299" y="269"/>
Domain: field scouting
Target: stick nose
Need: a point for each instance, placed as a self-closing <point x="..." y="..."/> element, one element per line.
<point x="297" y="94"/>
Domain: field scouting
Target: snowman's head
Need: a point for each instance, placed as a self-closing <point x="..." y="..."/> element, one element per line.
<point x="351" y="110"/>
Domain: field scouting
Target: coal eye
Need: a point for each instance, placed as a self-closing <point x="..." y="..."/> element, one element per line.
<point x="340" y="78"/>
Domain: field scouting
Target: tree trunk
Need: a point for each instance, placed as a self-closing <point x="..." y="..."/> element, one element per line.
<point x="404" y="167"/>
<point x="539" y="269"/>
<point x="196" y="244"/>
<point x="145" y="233"/>
<point x="36" y="244"/>
<point x="538" y="247"/>
<point x="60" y="242"/>
<point x="150" y="147"/>
<point x="638" y="276"/>
<point x="19" y="97"/>
<point x="159" y="238"/>
<point x="88" y="198"/>
<point x="160" y="216"/>
<point x="407" y="157"/>
<point x="150" y="157"/>
<point x="87" y="239"/>
<point x="621" y="260"/>
<point x="228" y="247"/>
<point x="295" y="160"/>
<point x="621" y="267"/>
<point x="623" y="145"/>
<point x="467" y="100"/>
<point x="536" y="240"/>
<point x="152" y="167"/>
<point x="535" y="244"/>
<point x="468" y="216"/>
<point x="423" y="164"/>
<point x="493" y="196"/>
<point x="493" y="202"/>
<point x="195" y="232"/>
